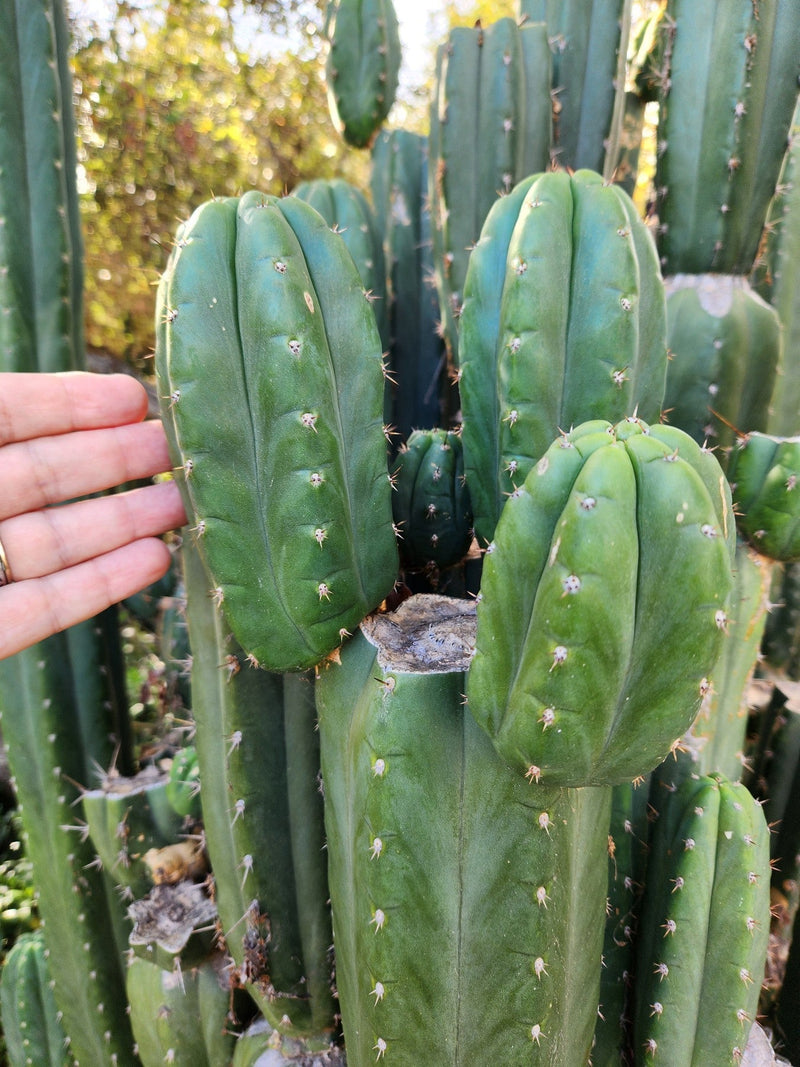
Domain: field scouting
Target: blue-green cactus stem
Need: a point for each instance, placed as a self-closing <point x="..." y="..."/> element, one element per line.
<point x="563" y="321"/>
<point x="347" y="211"/>
<point x="399" y="186"/>
<point x="468" y="913"/>
<point x="258" y="753"/>
<point x="490" y="128"/>
<point x="618" y="547"/>
<point x="264" y="321"/>
<point x="725" y="347"/>
<point x="32" y="1029"/>
<point x="363" y="65"/>
<point x="764" y="472"/>
<point x="704" y="926"/>
<point x="729" y="71"/>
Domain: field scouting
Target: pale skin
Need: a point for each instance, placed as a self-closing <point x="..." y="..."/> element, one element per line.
<point x="64" y="436"/>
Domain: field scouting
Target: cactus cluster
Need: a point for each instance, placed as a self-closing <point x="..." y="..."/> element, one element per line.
<point x="513" y="827"/>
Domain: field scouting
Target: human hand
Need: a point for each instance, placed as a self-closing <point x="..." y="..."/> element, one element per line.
<point x="64" y="436"/>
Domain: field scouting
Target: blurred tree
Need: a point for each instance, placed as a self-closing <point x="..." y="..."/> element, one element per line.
<point x="178" y="101"/>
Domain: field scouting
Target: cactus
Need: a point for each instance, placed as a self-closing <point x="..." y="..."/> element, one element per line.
<point x="399" y="185"/>
<point x="587" y="42"/>
<point x="258" y="754"/>
<point x="705" y="923"/>
<point x="468" y="916"/>
<point x="31" y="1023"/>
<point x="618" y="546"/>
<point x="764" y="472"/>
<point x="431" y="505"/>
<point x="563" y="322"/>
<point x="263" y="312"/>
<point x="775" y="279"/>
<point x="363" y="65"/>
<point x="490" y="128"/>
<point x="729" y="71"/>
<point x="347" y="212"/>
<point x="725" y="343"/>
<point x="179" y="1016"/>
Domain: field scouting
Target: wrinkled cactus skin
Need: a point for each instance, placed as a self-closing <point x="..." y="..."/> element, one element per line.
<point x="363" y="66"/>
<point x="468" y="914"/>
<point x="617" y="548"/>
<point x="263" y="320"/>
<point x="764" y="472"/>
<point x="564" y="321"/>
<point x="705" y="924"/>
<point x="431" y="504"/>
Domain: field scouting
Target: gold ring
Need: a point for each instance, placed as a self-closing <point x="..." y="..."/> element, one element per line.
<point x="5" y="569"/>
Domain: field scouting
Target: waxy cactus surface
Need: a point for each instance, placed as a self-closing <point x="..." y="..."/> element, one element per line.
<point x="263" y="320"/>
<point x="603" y="604"/>
<point x="765" y="476"/>
<point x="563" y="321"/>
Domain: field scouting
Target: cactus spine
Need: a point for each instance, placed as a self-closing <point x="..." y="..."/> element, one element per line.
<point x="31" y="1027"/>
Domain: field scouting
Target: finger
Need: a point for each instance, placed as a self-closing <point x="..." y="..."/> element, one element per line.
<point x="42" y="542"/>
<point x="32" y="610"/>
<point x="49" y="470"/>
<point x="37" y="405"/>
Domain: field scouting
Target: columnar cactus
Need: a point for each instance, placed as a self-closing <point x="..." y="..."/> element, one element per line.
<point x="262" y="311"/>
<point x="469" y="910"/>
<point x="431" y="504"/>
<point x="563" y="322"/>
<point x="729" y="71"/>
<point x="587" y="42"/>
<point x="399" y="185"/>
<point x="258" y="753"/>
<point x="490" y="128"/>
<point x="704" y="928"/>
<point x="347" y="212"/>
<point x="725" y="346"/>
<point x="764" y="472"/>
<point x="617" y="547"/>
<point x="32" y="1028"/>
<point x="363" y="65"/>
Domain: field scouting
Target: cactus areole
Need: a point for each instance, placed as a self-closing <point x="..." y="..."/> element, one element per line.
<point x="603" y="604"/>
<point x="270" y="369"/>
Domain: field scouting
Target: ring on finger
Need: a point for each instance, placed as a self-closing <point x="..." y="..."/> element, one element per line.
<point x="5" y="569"/>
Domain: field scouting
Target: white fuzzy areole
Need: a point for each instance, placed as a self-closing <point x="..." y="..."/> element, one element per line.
<point x="427" y="634"/>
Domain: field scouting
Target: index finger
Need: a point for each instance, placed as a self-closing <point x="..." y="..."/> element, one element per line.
<point x="38" y="405"/>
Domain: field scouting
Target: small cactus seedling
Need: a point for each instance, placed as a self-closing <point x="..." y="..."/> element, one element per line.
<point x="468" y="914"/>
<point x="764" y="472"/>
<point x="431" y="505"/>
<point x="262" y="311"/>
<point x="617" y="548"/>
<point x="563" y="321"/>
<point x="704" y="928"/>
<point x="363" y="65"/>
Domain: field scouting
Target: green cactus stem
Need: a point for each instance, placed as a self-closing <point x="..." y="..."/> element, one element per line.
<point x="725" y="346"/>
<point x="563" y="321"/>
<point x="764" y="472"/>
<point x="587" y="41"/>
<point x="32" y="1029"/>
<point x="775" y="278"/>
<point x="704" y="926"/>
<point x="729" y="76"/>
<point x="258" y="753"/>
<point x="179" y="1015"/>
<point x="490" y="128"/>
<point x="468" y="914"/>
<point x="618" y="547"/>
<point x="399" y="186"/>
<point x="347" y="212"/>
<point x="431" y="504"/>
<point x="263" y="319"/>
<point x="362" y="67"/>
